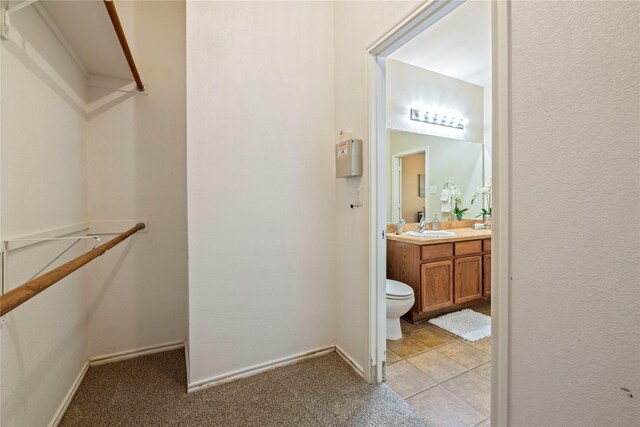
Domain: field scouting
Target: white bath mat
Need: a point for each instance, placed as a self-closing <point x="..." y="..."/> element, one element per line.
<point x="468" y="324"/>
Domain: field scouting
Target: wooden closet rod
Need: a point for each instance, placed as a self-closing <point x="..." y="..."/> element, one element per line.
<point x="115" y="20"/>
<point x="23" y="293"/>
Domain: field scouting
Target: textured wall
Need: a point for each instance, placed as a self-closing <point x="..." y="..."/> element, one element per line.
<point x="44" y="342"/>
<point x="137" y="170"/>
<point x="412" y="87"/>
<point x="357" y="25"/>
<point x="575" y="323"/>
<point x="260" y="183"/>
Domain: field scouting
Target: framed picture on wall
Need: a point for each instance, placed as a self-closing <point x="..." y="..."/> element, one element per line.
<point x="421" y="185"/>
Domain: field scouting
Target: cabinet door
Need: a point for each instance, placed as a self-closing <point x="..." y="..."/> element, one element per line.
<point x="437" y="285"/>
<point x="486" y="270"/>
<point x="468" y="278"/>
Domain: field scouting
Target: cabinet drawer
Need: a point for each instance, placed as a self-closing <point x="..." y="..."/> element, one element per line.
<point x="436" y="251"/>
<point x="486" y="245"/>
<point x="470" y="247"/>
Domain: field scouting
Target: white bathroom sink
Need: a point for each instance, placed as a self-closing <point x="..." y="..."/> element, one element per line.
<point x="432" y="233"/>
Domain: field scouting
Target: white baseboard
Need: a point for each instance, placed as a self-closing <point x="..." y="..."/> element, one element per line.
<point x="57" y="417"/>
<point x="253" y="370"/>
<point x="130" y="354"/>
<point x="202" y="384"/>
<point x="350" y="361"/>
<point x="102" y="360"/>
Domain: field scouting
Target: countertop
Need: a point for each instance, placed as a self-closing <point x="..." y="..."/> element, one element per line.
<point x="462" y="234"/>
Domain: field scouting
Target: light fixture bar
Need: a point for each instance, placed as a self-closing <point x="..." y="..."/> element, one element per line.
<point x="434" y="118"/>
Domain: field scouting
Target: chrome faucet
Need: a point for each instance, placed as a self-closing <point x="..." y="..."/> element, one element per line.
<point x="423" y="225"/>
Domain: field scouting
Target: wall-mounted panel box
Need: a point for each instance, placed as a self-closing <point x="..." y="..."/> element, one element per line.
<point x="349" y="158"/>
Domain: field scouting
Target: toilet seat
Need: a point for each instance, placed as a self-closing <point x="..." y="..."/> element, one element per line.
<point x="394" y="298"/>
<point x="398" y="290"/>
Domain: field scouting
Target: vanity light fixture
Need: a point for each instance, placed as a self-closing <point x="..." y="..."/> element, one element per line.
<point x="439" y="119"/>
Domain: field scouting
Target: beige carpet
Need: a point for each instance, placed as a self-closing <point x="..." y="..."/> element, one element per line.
<point x="150" y="391"/>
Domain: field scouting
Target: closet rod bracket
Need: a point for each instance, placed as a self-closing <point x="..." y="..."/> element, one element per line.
<point x="6" y="12"/>
<point x="4" y="23"/>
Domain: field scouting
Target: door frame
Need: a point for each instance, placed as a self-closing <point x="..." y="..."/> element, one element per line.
<point x="417" y="21"/>
<point x="397" y="157"/>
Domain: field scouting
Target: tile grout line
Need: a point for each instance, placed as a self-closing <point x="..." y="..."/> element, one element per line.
<point x="450" y="378"/>
<point x="428" y="347"/>
<point x="465" y="401"/>
<point x="436" y="348"/>
<point x="455" y="338"/>
<point x="455" y="395"/>
<point x="444" y="355"/>
<point x="477" y="424"/>
<point x="441" y="383"/>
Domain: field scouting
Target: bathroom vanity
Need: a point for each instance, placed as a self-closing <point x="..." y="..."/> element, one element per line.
<point x="446" y="273"/>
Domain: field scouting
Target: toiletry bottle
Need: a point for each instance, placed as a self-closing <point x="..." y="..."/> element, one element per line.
<point x="399" y="227"/>
<point x="435" y="225"/>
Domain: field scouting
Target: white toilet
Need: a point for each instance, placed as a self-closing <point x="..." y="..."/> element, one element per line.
<point x="400" y="299"/>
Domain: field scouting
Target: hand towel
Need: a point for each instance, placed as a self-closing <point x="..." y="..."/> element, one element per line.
<point x="445" y="207"/>
<point x="444" y="196"/>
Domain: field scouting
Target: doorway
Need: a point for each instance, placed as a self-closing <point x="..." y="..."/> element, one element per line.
<point x="422" y="18"/>
<point x="409" y="183"/>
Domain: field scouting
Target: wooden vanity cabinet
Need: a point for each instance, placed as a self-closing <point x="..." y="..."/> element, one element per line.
<point x="444" y="277"/>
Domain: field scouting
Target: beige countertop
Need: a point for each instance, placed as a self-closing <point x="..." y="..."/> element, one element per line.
<point x="462" y="234"/>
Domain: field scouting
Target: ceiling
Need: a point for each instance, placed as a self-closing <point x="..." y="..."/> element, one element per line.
<point x="459" y="45"/>
<point x="87" y="28"/>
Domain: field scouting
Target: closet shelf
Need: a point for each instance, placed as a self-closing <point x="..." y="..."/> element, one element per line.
<point x="86" y="30"/>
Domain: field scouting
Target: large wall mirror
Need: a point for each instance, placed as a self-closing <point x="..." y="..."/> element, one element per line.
<point x="427" y="172"/>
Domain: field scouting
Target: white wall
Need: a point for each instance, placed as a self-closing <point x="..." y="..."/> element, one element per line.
<point x="261" y="176"/>
<point x="44" y="342"/>
<point x="574" y="330"/>
<point x="72" y="156"/>
<point x="137" y="170"/>
<point x="409" y="87"/>
<point x="357" y="25"/>
<point x="413" y="87"/>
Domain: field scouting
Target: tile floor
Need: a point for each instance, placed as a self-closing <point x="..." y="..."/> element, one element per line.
<point x="446" y="379"/>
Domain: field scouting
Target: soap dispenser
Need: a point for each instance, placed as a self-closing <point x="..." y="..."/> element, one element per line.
<point x="399" y="227"/>
<point x="435" y="225"/>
